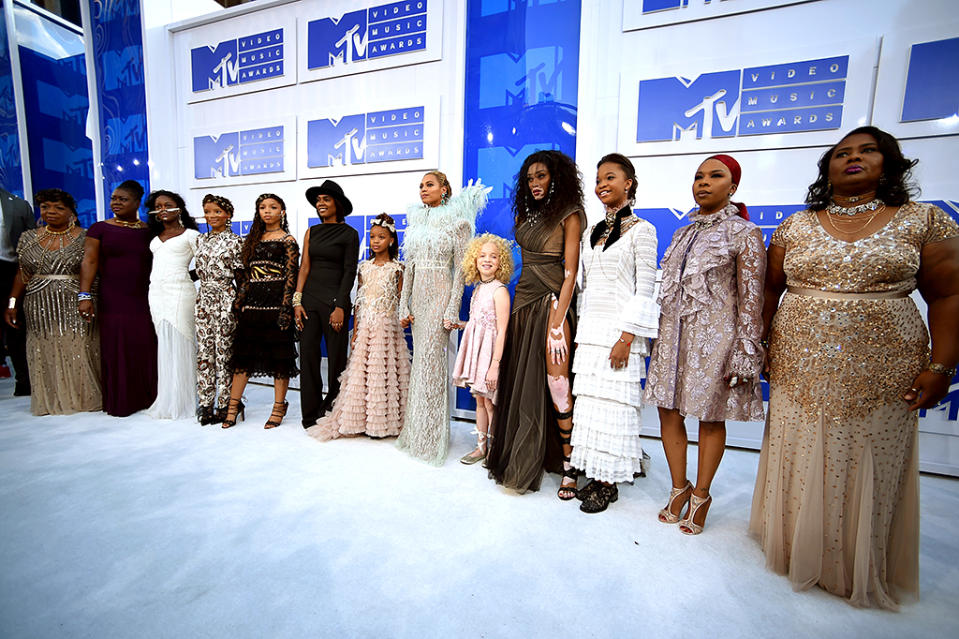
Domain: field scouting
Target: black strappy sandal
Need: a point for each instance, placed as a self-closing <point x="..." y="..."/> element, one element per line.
<point x="238" y="409"/>
<point x="567" y="492"/>
<point x="279" y="410"/>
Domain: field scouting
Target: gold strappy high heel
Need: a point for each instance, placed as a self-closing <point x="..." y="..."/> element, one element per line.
<point x="666" y="515"/>
<point x="687" y="526"/>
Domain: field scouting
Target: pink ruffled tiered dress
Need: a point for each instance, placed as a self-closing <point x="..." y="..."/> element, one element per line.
<point x="479" y="340"/>
<point x="373" y="388"/>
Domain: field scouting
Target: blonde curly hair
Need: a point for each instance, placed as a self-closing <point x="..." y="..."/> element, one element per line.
<point x="503" y="273"/>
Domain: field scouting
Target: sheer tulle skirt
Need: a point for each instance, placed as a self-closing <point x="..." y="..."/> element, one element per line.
<point x="374" y="386"/>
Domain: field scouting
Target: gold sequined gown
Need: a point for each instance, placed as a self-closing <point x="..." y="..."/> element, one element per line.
<point x="836" y="502"/>
<point x="63" y="350"/>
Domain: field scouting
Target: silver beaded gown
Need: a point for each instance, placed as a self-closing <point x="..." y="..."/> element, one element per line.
<point x="434" y="245"/>
<point x="63" y="350"/>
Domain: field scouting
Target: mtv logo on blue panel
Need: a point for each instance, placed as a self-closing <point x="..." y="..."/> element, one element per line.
<point x="383" y="30"/>
<point x="127" y="135"/>
<point x="932" y="81"/>
<point x="331" y="41"/>
<point x="331" y="142"/>
<point x="70" y="108"/>
<point x="122" y="68"/>
<point x="63" y="158"/>
<point x="676" y="108"/>
<point x="807" y="95"/>
<point x="216" y="156"/>
<point x="534" y="77"/>
<point x="245" y="59"/>
<point x="649" y="6"/>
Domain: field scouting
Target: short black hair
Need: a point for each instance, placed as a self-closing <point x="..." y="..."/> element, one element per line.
<point x="56" y="195"/>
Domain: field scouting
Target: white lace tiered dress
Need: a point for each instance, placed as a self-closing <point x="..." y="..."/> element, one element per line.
<point x="172" y="304"/>
<point x="617" y="296"/>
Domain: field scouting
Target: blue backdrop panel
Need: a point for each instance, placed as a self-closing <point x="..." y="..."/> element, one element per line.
<point x="118" y="60"/>
<point x="11" y="171"/>
<point x="56" y="105"/>
<point x="522" y="66"/>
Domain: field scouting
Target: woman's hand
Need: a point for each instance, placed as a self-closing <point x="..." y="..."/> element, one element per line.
<point x="10" y="316"/>
<point x="336" y="319"/>
<point x="734" y="379"/>
<point x="619" y="355"/>
<point x="927" y="390"/>
<point x="492" y="375"/>
<point x="556" y="344"/>
<point x="86" y="310"/>
<point x="299" y="316"/>
<point x="449" y="325"/>
<point x="406" y="322"/>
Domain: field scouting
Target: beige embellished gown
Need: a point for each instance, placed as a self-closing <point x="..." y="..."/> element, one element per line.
<point x="63" y="350"/>
<point x="837" y="493"/>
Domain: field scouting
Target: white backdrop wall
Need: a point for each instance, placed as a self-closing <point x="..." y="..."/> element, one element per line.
<point x="861" y="50"/>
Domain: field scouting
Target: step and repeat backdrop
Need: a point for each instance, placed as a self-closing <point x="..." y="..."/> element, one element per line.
<point x="278" y="96"/>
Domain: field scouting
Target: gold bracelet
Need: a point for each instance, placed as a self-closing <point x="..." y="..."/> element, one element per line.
<point x="625" y="342"/>
<point x="297" y="299"/>
<point x="942" y="369"/>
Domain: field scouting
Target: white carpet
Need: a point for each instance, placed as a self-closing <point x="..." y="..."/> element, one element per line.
<point x="140" y="528"/>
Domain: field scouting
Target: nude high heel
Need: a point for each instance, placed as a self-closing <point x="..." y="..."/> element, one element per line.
<point x="666" y="515"/>
<point x="687" y="526"/>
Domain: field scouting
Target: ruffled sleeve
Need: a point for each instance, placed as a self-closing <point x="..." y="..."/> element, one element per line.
<point x="746" y="358"/>
<point x="640" y="314"/>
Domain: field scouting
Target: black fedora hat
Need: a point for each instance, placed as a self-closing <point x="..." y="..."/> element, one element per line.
<point x="343" y="205"/>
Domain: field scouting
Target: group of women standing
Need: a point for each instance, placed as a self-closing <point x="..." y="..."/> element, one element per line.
<point x="825" y="312"/>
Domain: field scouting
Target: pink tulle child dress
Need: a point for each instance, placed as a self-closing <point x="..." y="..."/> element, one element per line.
<point x="479" y="339"/>
<point x="373" y="388"/>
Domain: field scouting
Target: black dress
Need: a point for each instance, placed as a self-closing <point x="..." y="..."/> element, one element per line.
<point x="264" y="344"/>
<point x="334" y="251"/>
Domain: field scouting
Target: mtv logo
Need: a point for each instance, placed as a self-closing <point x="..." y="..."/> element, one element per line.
<point x="215" y="68"/>
<point x="238" y="61"/>
<point x="53" y="101"/>
<point x="375" y="32"/>
<point x="248" y="152"/>
<point x="126" y="135"/>
<point x="499" y="165"/>
<point x="331" y="41"/>
<point x="66" y="159"/>
<point x="216" y="156"/>
<point x="123" y="68"/>
<point x="680" y="108"/>
<point x="534" y="77"/>
<point x="932" y="90"/>
<point x="336" y="142"/>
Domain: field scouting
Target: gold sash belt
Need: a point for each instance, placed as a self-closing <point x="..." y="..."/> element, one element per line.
<point x="829" y="295"/>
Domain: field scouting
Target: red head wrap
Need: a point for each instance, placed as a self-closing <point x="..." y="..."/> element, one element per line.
<point x="737" y="172"/>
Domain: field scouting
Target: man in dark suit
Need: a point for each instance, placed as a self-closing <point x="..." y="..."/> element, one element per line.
<point x="17" y="217"/>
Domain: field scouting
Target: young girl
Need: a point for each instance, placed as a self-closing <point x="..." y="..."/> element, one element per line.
<point x="373" y="389"/>
<point x="264" y="343"/>
<point x="489" y="261"/>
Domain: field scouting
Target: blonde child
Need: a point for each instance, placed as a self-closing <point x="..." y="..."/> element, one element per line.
<point x="488" y="263"/>
<point x="373" y="388"/>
